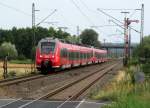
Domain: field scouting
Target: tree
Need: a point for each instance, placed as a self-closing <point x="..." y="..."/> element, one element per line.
<point x="143" y="50"/>
<point x="142" y="55"/>
<point x="8" y="49"/>
<point x="90" y="37"/>
<point x="73" y="39"/>
<point x="97" y="44"/>
<point x="23" y="38"/>
<point x="61" y="34"/>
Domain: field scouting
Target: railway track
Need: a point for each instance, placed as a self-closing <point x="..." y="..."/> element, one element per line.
<point x="74" y="89"/>
<point x="66" y="92"/>
<point x="12" y="81"/>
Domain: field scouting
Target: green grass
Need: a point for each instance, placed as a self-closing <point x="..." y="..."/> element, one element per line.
<point x="132" y="100"/>
<point x="125" y="94"/>
<point x="27" y="61"/>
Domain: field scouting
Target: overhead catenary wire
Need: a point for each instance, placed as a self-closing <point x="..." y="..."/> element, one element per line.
<point x="80" y="10"/>
<point x="15" y="9"/>
<point x="87" y="18"/>
<point x="85" y="5"/>
<point x="115" y="19"/>
<point x="117" y="9"/>
<point x="20" y="11"/>
<point x="96" y="27"/>
<point x="46" y="17"/>
<point x="132" y="14"/>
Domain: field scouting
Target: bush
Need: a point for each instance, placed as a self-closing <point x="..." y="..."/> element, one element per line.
<point x="12" y="74"/>
<point x="8" y="49"/>
<point x="21" y="57"/>
<point x="26" y="61"/>
<point x="133" y="61"/>
<point x="146" y="68"/>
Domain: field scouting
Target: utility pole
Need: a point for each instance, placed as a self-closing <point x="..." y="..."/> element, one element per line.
<point x="142" y="24"/>
<point x="78" y="31"/>
<point x="33" y="15"/>
<point x="78" y="34"/>
<point x="126" y="38"/>
<point x="33" y="22"/>
<point x="129" y="42"/>
<point x="104" y="43"/>
<point x="33" y="28"/>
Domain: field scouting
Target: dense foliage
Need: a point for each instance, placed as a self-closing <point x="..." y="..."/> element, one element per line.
<point x="90" y="37"/>
<point x="23" y="38"/>
<point x="141" y="55"/>
<point x="143" y="50"/>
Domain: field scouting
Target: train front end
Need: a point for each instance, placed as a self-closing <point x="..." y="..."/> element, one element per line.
<point x="46" y="55"/>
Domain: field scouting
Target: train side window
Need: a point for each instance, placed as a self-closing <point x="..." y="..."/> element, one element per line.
<point x="63" y="53"/>
<point x="75" y="55"/>
<point x="81" y="55"/>
<point x="71" y="56"/>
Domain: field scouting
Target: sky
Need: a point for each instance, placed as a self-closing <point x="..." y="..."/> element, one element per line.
<point x="73" y="13"/>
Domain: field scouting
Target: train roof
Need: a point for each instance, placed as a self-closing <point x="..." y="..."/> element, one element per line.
<point x="49" y="39"/>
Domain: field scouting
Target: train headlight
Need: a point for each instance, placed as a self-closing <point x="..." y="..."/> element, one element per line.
<point x="41" y="56"/>
<point x="53" y="56"/>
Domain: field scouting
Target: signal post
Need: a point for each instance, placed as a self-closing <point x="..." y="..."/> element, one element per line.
<point x="127" y="22"/>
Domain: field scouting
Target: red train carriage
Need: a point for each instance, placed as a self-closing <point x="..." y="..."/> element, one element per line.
<point x="54" y="54"/>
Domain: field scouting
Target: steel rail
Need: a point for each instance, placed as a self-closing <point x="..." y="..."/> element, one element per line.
<point x="108" y="67"/>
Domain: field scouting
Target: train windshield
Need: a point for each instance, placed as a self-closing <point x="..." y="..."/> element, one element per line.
<point x="47" y="47"/>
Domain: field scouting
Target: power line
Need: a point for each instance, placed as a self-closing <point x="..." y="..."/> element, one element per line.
<point x="103" y="26"/>
<point x="65" y="19"/>
<point x="80" y="10"/>
<point x="84" y="4"/>
<point x="97" y="27"/>
<point x="23" y="12"/>
<point x="115" y="19"/>
<point x="46" y="17"/>
<point x="132" y="14"/>
<point x="117" y="9"/>
<point x="15" y="9"/>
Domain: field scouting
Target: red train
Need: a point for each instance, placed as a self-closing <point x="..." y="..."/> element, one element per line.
<point x="54" y="54"/>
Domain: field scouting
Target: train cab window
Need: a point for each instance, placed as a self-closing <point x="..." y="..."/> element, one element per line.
<point x="47" y="47"/>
